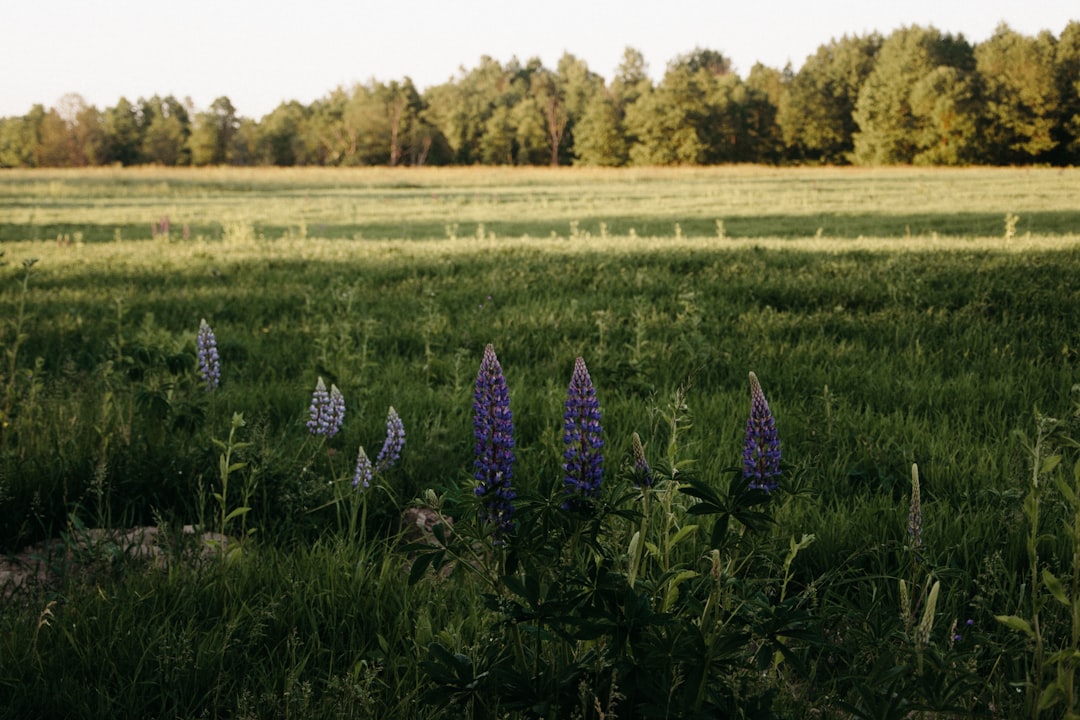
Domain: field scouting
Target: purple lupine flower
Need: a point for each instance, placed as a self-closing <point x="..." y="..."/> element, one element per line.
<point x="493" y="428"/>
<point x="643" y="476"/>
<point x="362" y="476"/>
<point x="583" y="458"/>
<point x="395" y="440"/>
<point x="206" y="349"/>
<point x="327" y="411"/>
<point x="320" y="401"/>
<point x="761" y="454"/>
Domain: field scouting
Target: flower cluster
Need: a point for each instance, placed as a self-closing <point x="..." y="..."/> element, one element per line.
<point x="643" y="476"/>
<point x="583" y="459"/>
<point x="327" y="411"/>
<point x="493" y="428"/>
<point x="395" y="440"/>
<point x="206" y="346"/>
<point x="388" y="455"/>
<point x="761" y="454"/>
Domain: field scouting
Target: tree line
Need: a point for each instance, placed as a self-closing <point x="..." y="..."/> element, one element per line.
<point x="918" y="96"/>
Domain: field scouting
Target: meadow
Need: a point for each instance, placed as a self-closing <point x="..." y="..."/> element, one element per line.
<point x="896" y="318"/>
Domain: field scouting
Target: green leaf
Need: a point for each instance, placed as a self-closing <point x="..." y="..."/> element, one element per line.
<point x="683" y="534"/>
<point x="419" y="566"/>
<point x="711" y="501"/>
<point x="1054" y="586"/>
<point x="672" y="593"/>
<point x="1065" y="489"/>
<point x="237" y="513"/>
<point x="1049" y="464"/>
<point x="1016" y="623"/>
<point x="1062" y="655"/>
<point x="1051" y="695"/>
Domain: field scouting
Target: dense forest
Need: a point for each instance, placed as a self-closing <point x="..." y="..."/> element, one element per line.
<point x="917" y="96"/>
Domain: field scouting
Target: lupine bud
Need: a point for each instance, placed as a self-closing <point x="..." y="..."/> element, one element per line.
<point x="584" y="461"/>
<point x="642" y="472"/>
<point x="209" y="366"/>
<point x="914" y="527"/>
<point x="761" y="454"/>
<point x="493" y="428"/>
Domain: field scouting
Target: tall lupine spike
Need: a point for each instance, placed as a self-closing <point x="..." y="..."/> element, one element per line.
<point x="643" y="476"/>
<point x="327" y="411"/>
<point x="209" y="365"/>
<point x="761" y="454"/>
<point x="914" y="527"/>
<point x="395" y="441"/>
<point x="493" y="429"/>
<point x="319" y="399"/>
<point x="364" y="472"/>
<point x="582" y="435"/>
<point x="336" y="411"/>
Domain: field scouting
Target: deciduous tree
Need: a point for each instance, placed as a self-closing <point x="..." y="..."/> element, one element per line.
<point x="817" y="115"/>
<point x="123" y="138"/>
<point x="1022" y="93"/>
<point x="167" y="129"/>
<point x="890" y="132"/>
<point x="1067" y="65"/>
<point x="599" y="137"/>
<point x="212" y="133"/>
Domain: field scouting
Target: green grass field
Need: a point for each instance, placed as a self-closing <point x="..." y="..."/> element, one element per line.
<point x="893" y="316"/>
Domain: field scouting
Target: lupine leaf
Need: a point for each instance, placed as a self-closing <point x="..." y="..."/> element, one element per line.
<point x="683" y="534"/>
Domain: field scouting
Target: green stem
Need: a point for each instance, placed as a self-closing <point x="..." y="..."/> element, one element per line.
<point x="1033" y="562"/>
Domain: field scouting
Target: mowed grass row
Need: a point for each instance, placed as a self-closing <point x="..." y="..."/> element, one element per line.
<point x="874" y="352"/>
<point x="416" y="203"/>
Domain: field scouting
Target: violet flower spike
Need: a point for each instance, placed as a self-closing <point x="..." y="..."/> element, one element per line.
<point x="761" y="454"/>
<point x="493" y="430"/>
<point x="363" y="474"/>
<point x="327" y="411"/>
<point x="336" y="411"/>
<point x="584" y="461"/>
<point x="395" y="441"/>
<point x="206" y="350"/>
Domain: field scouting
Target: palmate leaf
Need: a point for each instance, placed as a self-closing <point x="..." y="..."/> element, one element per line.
<point x="453" y="674"/>
<point x="738" y="504"/>
<point x="426" y="557"/>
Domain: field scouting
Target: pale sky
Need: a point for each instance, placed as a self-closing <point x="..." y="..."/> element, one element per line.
<point x="262" y="52"/>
